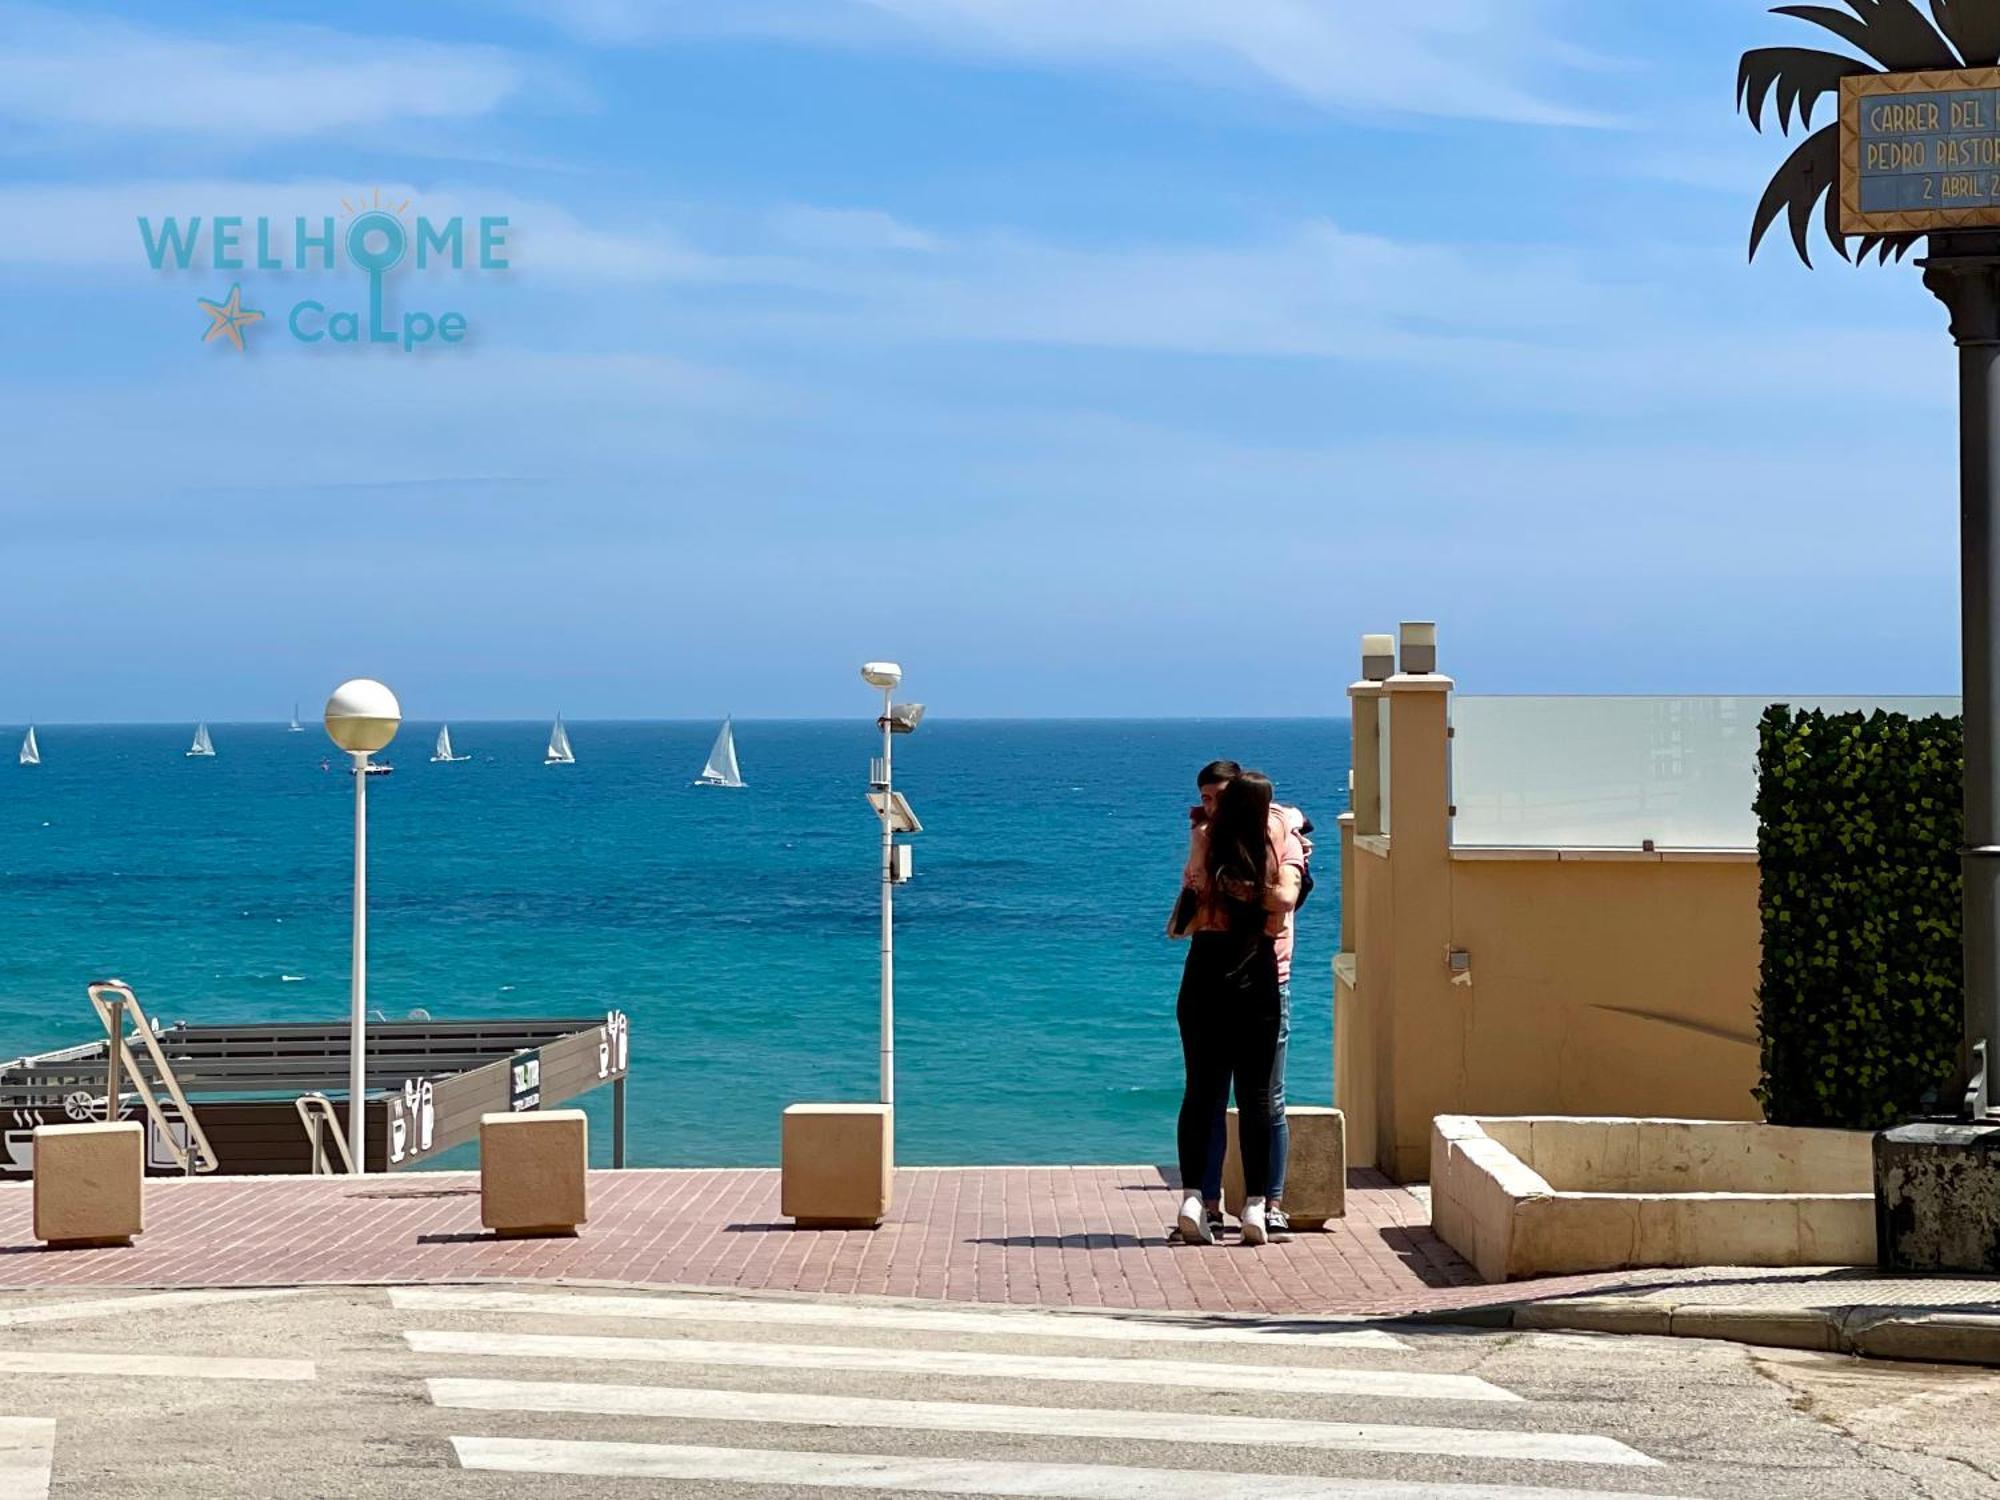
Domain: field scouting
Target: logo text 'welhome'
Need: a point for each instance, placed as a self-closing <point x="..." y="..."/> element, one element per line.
<point x="374" y="240"/>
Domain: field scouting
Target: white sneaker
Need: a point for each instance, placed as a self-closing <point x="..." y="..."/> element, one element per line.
<point x="1193" y="1222"/>
<point x="1251" y="1225"/>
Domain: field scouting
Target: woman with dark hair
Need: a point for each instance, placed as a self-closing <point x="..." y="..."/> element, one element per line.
<point x="1244" y="866"/>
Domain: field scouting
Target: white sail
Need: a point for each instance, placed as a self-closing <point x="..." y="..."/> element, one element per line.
<point x="202" y="744"/>
<point x="560" y="753"/>
<point x="295" y="726"/>
<point x="722" y="769"/>
<point x="443" y="751"/>
<point x="31" y="753"/>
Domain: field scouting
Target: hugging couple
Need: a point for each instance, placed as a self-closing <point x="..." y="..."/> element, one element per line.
<point x="1245" y="876"/>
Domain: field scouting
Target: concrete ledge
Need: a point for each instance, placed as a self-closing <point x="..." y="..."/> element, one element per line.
<point x="837" y="1163"/>
<point x="532" y="1172"/>
<point x="1869" y="1332"/>
<point x="1595" y="1315"/>
<point x="1545" y="1196"/>
<point x="89" y="1184"/>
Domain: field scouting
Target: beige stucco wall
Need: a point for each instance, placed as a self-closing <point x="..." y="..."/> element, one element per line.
<point x="1602" y="988"/>
<point x="1600" y="983"/>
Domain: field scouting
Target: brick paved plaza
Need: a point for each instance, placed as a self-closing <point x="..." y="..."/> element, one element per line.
<point x="1050" y="1236"/>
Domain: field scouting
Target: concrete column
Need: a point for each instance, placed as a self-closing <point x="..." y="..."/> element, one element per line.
<point x="1346" y="825"/>
<point x="1365" y="699"/>
<point x="1426" y="1016"/>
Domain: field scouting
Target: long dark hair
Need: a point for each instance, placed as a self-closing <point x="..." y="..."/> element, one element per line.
<point x="1239" y="847"/>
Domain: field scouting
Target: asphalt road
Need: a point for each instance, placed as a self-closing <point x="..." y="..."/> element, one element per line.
<point x="544" y="1392"/>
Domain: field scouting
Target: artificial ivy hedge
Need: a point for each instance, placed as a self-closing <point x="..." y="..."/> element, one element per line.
<point x="1858" y="831"/>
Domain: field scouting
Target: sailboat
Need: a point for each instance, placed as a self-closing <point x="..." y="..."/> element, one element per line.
<point x="202" y="744"/>
<point x="560" y="753"/>
<point x="295" y="727"/>
<point x="443" y="751"/>
<point x="722" y="769"/>
<point x="31" y="753"/>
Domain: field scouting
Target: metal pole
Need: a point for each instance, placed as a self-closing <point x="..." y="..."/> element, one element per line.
<point x="888" y="905"/>
<point x="1964" y="273"/>
<point x="357" y="1053"/>
<point x="115" y="1025"/>
<point x="618" y="1123"/>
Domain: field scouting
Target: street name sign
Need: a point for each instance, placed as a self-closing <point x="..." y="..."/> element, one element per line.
<point x="1920" y="151"/>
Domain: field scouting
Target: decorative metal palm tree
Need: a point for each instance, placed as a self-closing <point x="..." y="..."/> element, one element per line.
<point x="1896" y="37"/>
<point x="1963" y="270"/>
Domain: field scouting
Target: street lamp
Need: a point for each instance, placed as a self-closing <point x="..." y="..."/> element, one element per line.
<point x="362" y="717"/>
<point x="897" y="817"/>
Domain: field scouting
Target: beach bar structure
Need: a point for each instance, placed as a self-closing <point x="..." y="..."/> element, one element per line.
<point x="271" y="1098"/>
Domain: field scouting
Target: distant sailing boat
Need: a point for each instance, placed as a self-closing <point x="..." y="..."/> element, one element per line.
<point x="31" y="753"/>
<point x="560" y="753"/>
<point x="443" y="751"/>
<point x="202" y="744"/>
<point x="295" y="727"/>
<point x="722" y="769"/>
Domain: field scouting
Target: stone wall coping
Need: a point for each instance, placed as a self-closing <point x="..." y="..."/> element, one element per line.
<point x="1485" y="853"/>
<point x="1376" y="844"/>
<point x="1419" y="682"/>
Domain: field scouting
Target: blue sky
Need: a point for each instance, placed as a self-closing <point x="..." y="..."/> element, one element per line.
<point x="1130" y="357"/>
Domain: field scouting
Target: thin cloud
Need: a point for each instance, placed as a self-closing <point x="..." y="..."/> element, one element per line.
<point x="58" y="70"/>
<point x="1500" y="60"/>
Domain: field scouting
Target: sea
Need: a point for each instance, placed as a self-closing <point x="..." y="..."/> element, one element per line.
<point x="738" y="929"/>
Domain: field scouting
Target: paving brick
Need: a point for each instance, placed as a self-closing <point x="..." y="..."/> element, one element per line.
<point x="1062" y="1236"/>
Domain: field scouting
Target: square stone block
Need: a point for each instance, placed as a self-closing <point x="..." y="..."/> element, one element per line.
<point x="837" y="1164"/>
<point x="1315" y="1172"/>
<point x="1937" y="1198"/>
<point x="88" y="1184"/>
<point x="532" y="1169"/>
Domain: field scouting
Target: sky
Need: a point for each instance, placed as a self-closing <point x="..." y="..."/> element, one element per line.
<point x="1129" y="358"/>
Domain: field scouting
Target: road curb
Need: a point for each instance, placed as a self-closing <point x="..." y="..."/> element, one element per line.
<point x="1929" y="1337"/>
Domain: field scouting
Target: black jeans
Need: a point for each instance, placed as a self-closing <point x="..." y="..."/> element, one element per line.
<point x="1228" y="1013"/>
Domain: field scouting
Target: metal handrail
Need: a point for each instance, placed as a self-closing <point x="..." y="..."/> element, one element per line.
<point x="316" y="1114"/>
<point x="113" y="1000"/>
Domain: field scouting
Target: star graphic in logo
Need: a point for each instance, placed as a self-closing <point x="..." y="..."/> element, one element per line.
<point x="228" y="319"/>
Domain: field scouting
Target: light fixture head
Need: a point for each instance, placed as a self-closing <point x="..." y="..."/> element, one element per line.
<point x="905" y="717"/>
<point x="362" y="716"/>
<point x="881" y="674"/>
<point x="1378" y="658"/>
<point x="1420" y="645"/>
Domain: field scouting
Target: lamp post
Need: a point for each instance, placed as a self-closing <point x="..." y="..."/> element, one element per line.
<point x="897" y="817"/>
<point x="362" y="717"/>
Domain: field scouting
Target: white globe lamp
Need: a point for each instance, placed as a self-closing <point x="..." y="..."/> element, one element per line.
<point x="362" y="717"/>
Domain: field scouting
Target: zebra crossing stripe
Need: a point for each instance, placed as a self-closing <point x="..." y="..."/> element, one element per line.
<point x="101" y="1307"/>
<point x="975" y="1364"/>
<point x="705" y="1404"/>
<point x="946" y="1476"/>
<point x="169" y="1366"/>
<point x="1136" y="1328"/>
<point x="27" y="1457"/>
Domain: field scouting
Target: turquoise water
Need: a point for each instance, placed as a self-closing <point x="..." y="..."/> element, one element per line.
<point x="737" y="928"/>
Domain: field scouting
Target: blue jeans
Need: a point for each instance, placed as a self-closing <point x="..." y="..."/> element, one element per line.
<point x="1281" y="1133"/>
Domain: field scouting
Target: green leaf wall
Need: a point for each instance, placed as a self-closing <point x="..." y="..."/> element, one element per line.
<point x="1859" y="827"/>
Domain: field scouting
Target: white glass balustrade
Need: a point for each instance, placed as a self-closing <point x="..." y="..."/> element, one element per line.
<point x="1614" y="772"/>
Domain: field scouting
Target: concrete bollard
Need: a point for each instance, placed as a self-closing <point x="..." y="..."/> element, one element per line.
<point x="1315" y="1172"/>
<point x="89" y="1184"/>
<point x="838" y="1163"/>
<point x="532" y="1170"/>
